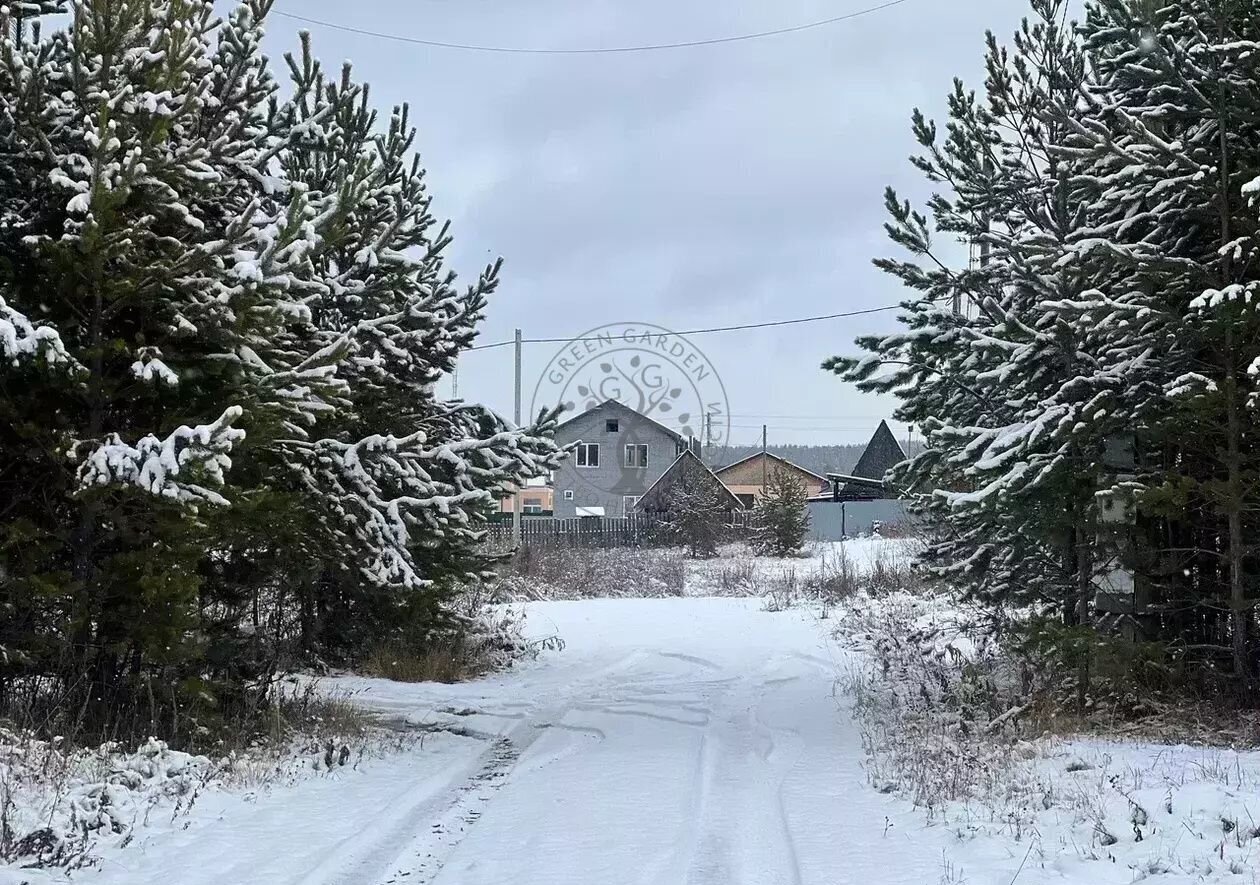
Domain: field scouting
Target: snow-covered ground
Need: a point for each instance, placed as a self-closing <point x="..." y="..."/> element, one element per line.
<point x="686" y="741"/>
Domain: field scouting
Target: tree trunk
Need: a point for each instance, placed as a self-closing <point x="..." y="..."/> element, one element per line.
<point x="1084" y="597"/>
<point x="1240" y="612"/>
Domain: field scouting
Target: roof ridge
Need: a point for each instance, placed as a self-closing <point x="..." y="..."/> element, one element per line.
<point x="777" y="457"/>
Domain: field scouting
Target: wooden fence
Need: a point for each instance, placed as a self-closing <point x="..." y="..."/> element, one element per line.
<point x="633" y="531"/>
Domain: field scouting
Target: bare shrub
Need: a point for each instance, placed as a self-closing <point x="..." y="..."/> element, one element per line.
<point x="783" y="592"/>
<point x="586" y="573"/>
<point x="303" y="708"/>
<point x="60" y="804"/>
<point x="939" y="705"/>
<point x="833" y="576"/>
<point x="735" y="577"/>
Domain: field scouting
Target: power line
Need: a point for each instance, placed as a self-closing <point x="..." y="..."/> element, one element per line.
<point x="776" y="323"/>
<point x="864" y="428"/>
<point x="589" y="50"/>
<point x="813" y="417"/>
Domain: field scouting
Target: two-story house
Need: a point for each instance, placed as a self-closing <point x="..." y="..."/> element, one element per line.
<point x="620" y="454"/>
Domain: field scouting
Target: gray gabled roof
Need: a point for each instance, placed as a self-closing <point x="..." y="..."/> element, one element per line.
<point x="615" y="405"/>
<point x="653" y="498"/>
<point x="882" y="454"/>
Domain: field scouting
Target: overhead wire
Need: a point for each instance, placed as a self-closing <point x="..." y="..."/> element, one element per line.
<point x="739" y="328"/>
<point x="589" y="50"/>
<point x="623" y="49"/>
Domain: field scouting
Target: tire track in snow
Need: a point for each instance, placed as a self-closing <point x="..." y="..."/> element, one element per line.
<point x="689" y="659"/>
<point x="789" y="838"/>
<point x="364" y="854"/>
<point x="742" y="835"/>
<point x="428" y="852"/>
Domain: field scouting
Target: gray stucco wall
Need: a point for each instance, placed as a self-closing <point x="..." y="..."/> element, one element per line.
<point x="607" y="485"/>
<point x="833" y="521"/>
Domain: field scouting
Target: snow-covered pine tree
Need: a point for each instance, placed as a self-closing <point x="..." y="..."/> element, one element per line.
<point x="1171" y="128"/>
<point x="401" y="481"/>
<point x="781" y="518"/>
<point x="993" y="387"/>
<point x="216" y="296"/>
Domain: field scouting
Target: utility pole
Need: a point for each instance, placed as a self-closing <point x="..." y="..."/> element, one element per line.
<point x="765" y="462"/>
<point x="708" y="433"/>
<point x="516" y="498"/>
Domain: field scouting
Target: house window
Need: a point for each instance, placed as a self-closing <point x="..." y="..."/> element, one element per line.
<point x="568" y="494"/>
<point x="747" y="500"/>
<point x="532" y="506"/>
<point x="588" y="455"/>
<point x="629" y="501"/>
<point x="612" y="425"/>
<point x="636" y="456"/>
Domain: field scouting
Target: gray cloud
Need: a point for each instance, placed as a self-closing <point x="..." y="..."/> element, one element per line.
<point x="697" y="187"/>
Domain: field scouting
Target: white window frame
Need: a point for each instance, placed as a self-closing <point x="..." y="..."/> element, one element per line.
<point x="568" y="494"/>
<point x="628" y="503"/>
<point x="583" y="454"/>
<point x="636" y="448"/>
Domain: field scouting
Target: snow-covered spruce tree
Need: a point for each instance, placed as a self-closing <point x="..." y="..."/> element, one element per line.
<point x="224" y="316"/>
<point x="1171" y="129"/>
<point x="1008" y="469"/>
<point x="781" y="519"/>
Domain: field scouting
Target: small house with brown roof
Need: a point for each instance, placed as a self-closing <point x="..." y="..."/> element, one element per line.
<point x="748" y="477"/>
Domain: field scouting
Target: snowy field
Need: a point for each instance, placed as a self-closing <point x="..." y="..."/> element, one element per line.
<point x="687" y="741"/>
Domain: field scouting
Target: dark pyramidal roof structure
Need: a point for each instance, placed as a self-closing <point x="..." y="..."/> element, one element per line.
<point x="881" y="455"/>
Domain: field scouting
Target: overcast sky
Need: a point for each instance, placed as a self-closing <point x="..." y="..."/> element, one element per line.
<point x="688" y="188"/>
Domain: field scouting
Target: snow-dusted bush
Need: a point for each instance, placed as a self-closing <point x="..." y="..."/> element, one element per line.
<point x="955" y="723"/>
<point x="587" y="572"/>
<point x="936" y="698"/>
<point x="55" y="804"/>
<point x="833" y="574"/>
<point x="61" y="805"/>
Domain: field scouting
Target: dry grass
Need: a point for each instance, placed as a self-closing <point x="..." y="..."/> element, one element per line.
<point x="445" y="662"/>
<point x="833" y="576"/>
<point x="304" y="709"/>
<point x="591" y="573"/>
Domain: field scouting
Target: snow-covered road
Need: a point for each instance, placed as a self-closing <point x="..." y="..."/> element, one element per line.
<point x="672" y="742"/>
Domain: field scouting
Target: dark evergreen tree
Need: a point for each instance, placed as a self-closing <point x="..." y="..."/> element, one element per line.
<point x="695" y="513"/>
<point x="223" y="318"/>
<point x="1171" y="248"/>
<point x="987" y="366"/>
<point x="781" y="517"/>
<point x="1092" y="413"/>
